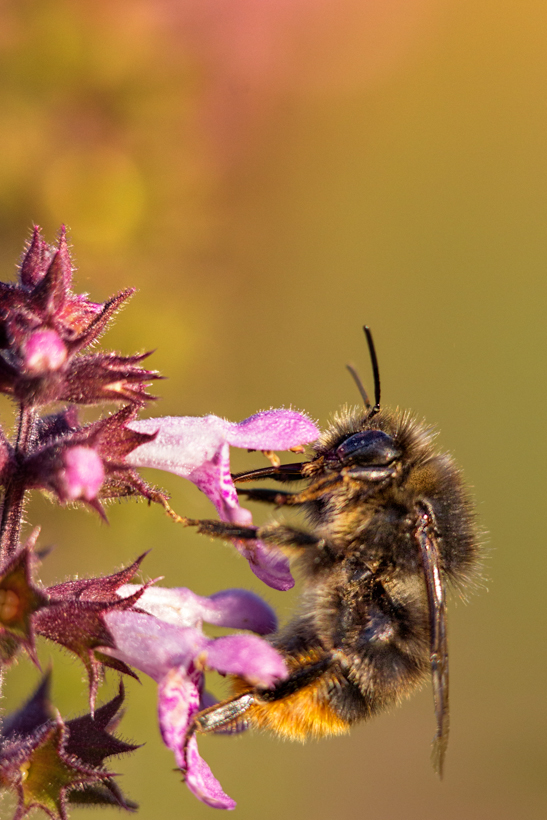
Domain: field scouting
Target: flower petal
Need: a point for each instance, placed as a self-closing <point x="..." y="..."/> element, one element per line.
<point x="82" y="475"/>
<point x="249" y="656"/>
<point x="215" y="480"/>
<point x="178" y="606"/>
<point x="240" y="609"/>
<point x="272" y="430"/>
<point x="184" y="443"/>
<point x="151" y="645"/>
<point x="267" y="563"/>
<point x="236" y="608"/>
<point x="44" y="353"/>
<point x="202" y="782"/>
<point x="179" y="700"/>
<point x="198" y="449"/>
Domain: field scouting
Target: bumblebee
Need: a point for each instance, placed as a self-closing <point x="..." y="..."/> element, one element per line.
<point x="390" y="527"/>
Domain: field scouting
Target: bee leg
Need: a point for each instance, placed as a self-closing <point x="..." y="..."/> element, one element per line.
<point x="278" y="534"/>
<point x="283" y="498"/>
<point x="217" y="529"/>
<point x="319" y="488"/>
<point x="275" y="535"/>
<point x="284" y="473"/>
<point x="229" y="716"/>
<point x="277" y="497"/>
<point x="226" y="716"/>
<point x="299" y="678"/>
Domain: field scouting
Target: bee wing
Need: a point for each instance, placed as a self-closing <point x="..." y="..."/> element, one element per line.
<point x="429" y="549"/>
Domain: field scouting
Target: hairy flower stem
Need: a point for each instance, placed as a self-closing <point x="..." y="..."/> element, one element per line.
<point x="14" y="495"/>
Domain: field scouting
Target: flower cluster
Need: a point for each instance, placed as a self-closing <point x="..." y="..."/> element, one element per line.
<point x="45" y="367"/>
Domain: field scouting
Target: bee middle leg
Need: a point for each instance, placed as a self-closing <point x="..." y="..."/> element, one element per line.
<point x="274" y="535"/>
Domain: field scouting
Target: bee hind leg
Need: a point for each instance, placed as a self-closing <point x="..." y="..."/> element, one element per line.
<point x="259" y="706"/>
<point x="228" y="716"/>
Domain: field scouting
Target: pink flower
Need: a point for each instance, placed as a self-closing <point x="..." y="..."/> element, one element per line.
<point x="199" y="449"/>
<point x="175" y="652"/>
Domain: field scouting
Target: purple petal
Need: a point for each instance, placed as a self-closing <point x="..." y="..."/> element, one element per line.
<point x="267" y="563"/>
<point x="179" y="700"/>
<point x="272" y="430"/>
<point x="236" y="608"/>
<point x="182" y="444"/>
<point x="214" y="478"/>
<point x="155" y="647"/>
<point x="202" y="782"/>
<point x="240" y="609"/>
<point x="178" y="606"/>
<point x="249" y="656"/>
<point x="198" y="449"/>
<point x="151" y="645"/>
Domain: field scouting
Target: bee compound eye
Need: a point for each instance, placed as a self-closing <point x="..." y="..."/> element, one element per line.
<point x="371" y="447"/>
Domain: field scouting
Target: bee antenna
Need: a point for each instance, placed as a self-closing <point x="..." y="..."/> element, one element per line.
<point x="360" y="386"/>
<point x="375" y="371"/>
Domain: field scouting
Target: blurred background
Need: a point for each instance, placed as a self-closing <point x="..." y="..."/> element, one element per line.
<point x="270" y="176"/>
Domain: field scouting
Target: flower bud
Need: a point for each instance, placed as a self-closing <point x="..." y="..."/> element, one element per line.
<point x="82" y="475"/>
<point x="44" y="352"/>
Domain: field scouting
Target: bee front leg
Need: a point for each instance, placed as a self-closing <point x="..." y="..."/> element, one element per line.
<point x="277" y="497"/>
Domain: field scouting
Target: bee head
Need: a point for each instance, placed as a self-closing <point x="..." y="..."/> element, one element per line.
<point x="369" y="454"/>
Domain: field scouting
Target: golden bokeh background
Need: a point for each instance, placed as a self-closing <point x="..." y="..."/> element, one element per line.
<point x="271" y="175"/>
